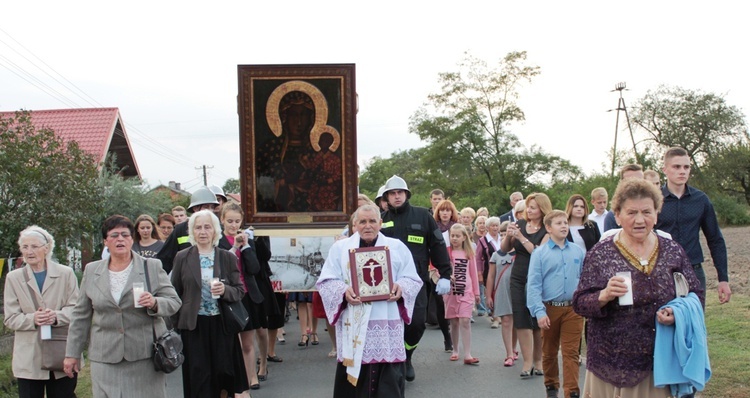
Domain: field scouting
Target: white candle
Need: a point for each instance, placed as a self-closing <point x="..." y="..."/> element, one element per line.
<point x="627" y="299"/>
<point x="214" y="281"/>
<point x="137" y="292"/>
<point x="46" y="332"/>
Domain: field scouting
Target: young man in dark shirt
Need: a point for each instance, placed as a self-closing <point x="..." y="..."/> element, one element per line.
<point x="687" y="211"/>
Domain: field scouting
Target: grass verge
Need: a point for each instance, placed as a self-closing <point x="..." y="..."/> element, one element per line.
<point x="728" y="346"/>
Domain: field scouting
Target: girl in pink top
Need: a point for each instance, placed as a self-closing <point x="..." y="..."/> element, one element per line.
<point x="459" y="303"/>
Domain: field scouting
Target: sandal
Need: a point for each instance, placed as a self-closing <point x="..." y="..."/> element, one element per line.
<point x="274" y="358"/>
<point x="304" y="340"/>
<point x="471" y="361"/>
<point x="454" y="357"/>
<point x="332" y="354"/>
<point x="515" y="355"/>
<point x="527" y="373"/>
<point x="314" y="339"/>
<point x="281" y="339"/>
<point x="509" y="361"/>
<point x="537" y="372"/>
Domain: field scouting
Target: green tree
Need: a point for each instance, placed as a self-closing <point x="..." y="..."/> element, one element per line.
<point x="127" y="197"/>
<point x="44" y="180"/>
<point x="405" y="164"/>
<point x="729" y="170"/>
<point x="231" y="185"/>
<point x="702" y="123"/>
<point x="467" y="126"/>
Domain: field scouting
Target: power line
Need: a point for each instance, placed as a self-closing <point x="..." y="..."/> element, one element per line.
<point x="51" y="68"/>
<point x="61" y="100"/>
<point x="143" y="139"/>
<point x="156" y="147"/>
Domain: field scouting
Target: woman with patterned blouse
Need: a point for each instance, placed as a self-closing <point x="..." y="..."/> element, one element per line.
<point x="202" y="275"/>
<point x="619" y="359"/>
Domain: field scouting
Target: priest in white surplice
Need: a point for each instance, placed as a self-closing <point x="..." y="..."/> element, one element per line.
<point x="369" y="336"/>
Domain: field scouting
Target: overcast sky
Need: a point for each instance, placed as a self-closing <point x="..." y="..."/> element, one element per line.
<point x="171" y="66"/>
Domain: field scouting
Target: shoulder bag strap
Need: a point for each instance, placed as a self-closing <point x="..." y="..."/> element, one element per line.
<point x="31" y="291"/>
<point x="148" y="289"/>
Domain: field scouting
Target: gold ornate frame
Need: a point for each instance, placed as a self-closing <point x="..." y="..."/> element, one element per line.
<point x="331" y="89"/>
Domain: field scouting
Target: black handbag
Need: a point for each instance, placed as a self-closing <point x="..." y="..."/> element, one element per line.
<point x="167" y="354"/>
<point x="234" y="316"/>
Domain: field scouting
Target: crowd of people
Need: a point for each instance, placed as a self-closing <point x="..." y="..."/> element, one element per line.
<point x="548" y="279"/>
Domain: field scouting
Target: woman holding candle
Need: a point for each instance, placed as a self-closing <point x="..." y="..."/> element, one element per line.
<point x="202" y="275"/>
<point x="38" y="296"/>
<point x="620" y="345"/>
<point x="120" y="335"/>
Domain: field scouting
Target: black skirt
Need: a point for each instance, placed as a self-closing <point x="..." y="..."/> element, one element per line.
<point x="257" y="312"/>
<point x="213" y="360"/>
<point x="276" y="319"/>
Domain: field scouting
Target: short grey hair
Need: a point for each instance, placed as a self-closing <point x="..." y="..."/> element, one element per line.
<point x="41" y="234"/>
<point x="520" y="207"/>
<point x="367" y="207"/>
<point x="492" y="220"/>
<point x="514" y="194"/>
<point x="214" y="222"/>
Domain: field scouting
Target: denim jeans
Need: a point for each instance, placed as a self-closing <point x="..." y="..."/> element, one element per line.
<point x="482" y="307"/>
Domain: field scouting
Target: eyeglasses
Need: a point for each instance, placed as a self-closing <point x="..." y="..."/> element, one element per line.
<point x="116" y="235"/>
<point x="31" y="247"/>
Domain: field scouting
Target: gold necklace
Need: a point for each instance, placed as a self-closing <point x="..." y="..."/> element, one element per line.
<point x="643" y="265"/>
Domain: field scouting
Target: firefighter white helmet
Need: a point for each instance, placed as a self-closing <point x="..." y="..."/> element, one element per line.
<point x="202" y="196"/>
<point x="218" y="191"/>
<point x="395" y="183"/>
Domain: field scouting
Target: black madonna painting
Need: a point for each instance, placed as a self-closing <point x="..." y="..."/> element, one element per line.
<point x="299" y="143"/>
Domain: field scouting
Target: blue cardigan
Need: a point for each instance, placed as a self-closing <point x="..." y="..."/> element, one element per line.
<point x="680" y="350"/>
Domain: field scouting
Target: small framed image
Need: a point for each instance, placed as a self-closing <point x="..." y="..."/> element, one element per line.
<point x="372" y="279"/>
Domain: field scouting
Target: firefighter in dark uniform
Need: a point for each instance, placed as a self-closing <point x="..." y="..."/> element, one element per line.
<point x="420" y="233"/>
<point x="202" y="199"/>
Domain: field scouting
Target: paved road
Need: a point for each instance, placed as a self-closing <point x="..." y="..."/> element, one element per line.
<point x="307" y="372"/>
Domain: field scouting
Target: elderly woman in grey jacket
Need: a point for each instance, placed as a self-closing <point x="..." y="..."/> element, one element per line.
<point x="117" y="324"/>
<point x="213" y="357"/>
<point x="38" y="295"/>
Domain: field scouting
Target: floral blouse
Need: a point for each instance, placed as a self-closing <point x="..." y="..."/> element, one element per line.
<point x="209" y="306"/>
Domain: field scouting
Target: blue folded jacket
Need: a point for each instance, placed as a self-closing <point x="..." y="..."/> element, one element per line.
<point x="681" y="350"/>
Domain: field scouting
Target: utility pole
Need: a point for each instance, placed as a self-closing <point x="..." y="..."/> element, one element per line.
<point x="205" y="178"/>
<point x="621" y="107"/>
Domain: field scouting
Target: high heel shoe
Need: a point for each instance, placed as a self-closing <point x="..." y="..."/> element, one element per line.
<point x="527" y="373"/>
<point x="314" y="339"/>
<point x="304" y="340"/>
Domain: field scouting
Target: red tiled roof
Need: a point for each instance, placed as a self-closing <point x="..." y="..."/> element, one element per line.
<point x="91" y="128"/>
<point x="235" y="196"/>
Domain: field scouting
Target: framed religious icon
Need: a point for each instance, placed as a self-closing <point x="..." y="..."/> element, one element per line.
<point x="298" y="149"/>
<point x="372" y="279"/>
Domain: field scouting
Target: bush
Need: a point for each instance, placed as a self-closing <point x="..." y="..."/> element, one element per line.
<point x="7" y="381"/>
<point x="730" y="211"/>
